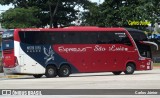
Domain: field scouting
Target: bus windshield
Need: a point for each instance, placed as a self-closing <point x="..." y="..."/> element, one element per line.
<point x="7" y="40"/>
<point x="138" y="36"/>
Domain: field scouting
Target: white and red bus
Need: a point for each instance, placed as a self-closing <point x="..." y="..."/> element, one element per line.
<point x="62" y="51"/>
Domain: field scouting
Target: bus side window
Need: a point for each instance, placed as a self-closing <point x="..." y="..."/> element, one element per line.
<point x="102" y="38"/>
<point x="122" y="38"/>
<point x="76" y="38"/>
<point x="94" y="38"/>
<point x="68" y="38"/>
<point x="84" y="38"/>
<point x="112" y="38"/>
<point x="30" y="37"/>
<point x="126" y="41"/>
<point x="56" y="37"/>
<point x="71" y="38"/>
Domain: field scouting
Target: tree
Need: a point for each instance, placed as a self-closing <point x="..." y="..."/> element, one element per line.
<point x="53" y="12"/>
<point x="92" y="15"/>
<point x="20" y="18"/>
<point x="117" y="13"/>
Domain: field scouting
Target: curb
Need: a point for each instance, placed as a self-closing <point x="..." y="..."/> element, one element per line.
<point x="11" y="76"/>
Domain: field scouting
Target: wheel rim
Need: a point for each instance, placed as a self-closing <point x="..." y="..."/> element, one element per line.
<point x="50" y="71"/>
<point x="129" y="69"/>
<point x="65" y="71"/>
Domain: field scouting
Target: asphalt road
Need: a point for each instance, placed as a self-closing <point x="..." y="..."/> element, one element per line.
<point x="139" y="80"/>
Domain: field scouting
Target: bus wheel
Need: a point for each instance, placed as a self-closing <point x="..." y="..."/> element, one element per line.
<point x="117" y="72"/>
<point x="38" y="76"/>
<point x="64" y="71"/>
<point x="130" y="68"/>
<point x="51" y="71"/>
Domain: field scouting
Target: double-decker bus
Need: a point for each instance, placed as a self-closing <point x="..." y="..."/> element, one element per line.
<point x="62" y="51"/>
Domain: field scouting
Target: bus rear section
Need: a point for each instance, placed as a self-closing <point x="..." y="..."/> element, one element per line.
<point x="14" y="60"/>
<point x="8" y="58"/>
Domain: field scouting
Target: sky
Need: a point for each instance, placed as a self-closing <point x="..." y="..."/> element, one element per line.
<point x="6" y="7"/>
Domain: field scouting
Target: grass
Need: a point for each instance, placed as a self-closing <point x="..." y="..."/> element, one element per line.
<point x="156" y="64"/>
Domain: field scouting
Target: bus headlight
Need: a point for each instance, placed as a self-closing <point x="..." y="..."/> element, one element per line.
<point x="141" y="58"/>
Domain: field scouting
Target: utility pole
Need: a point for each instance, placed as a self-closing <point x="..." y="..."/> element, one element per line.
<point x="99" y="2"/>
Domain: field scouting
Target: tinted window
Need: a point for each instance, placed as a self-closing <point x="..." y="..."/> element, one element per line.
<point x="7" y="40"/>
<point x="7" y="35"/>
<point x="138" y="36"/>
<point x="71" y="38"/>
<point x="113" y="38"/>
<point x="89" y="37"/>
<point x="36" y="37"/>
<point x="56" y="38"/>
<point x="144" y="50"/>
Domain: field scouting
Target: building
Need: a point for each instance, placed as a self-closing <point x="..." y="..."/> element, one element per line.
<point x="1" y="30"/>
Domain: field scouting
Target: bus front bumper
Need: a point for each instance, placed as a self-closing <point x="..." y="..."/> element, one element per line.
<point x="146" y="66"/>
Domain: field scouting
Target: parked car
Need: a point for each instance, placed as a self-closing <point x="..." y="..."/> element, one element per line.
<point x="154" y="37"/>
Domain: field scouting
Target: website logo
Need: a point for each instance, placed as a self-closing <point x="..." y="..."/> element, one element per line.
<point x="6" y="92"/>
<point x="20" y="92"/>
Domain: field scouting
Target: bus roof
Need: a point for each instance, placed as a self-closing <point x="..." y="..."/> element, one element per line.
<point x="131" y="29"/>
<point x="75" y="28"/>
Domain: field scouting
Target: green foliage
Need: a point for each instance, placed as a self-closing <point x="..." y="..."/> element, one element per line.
<point x="91" y="15"/>
<point x="117" y="13"/>
<point x="52" y="12"/>
<point x="112" y="13"/>
<point x="156" y="64"/>
<point x="20" y="18"/>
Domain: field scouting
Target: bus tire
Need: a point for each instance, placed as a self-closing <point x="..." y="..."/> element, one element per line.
<point x="38" y="76"/>
<point x="117" y="72"/>
<point x="51" y="71"/>
<point x="64" y="71"/>
<point x="130" y="68"/>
